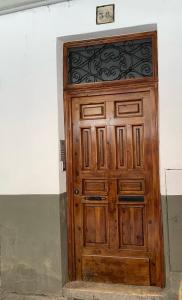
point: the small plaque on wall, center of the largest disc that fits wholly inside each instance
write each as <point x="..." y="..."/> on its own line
<point x="105" y="14"/>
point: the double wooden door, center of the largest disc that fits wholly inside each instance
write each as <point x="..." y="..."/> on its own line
<point x="116" y="210"/>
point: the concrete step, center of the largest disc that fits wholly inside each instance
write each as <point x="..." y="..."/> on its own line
<point x="102" y="291"/>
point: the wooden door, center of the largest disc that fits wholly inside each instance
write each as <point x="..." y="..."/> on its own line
<point x="115" y="208"/>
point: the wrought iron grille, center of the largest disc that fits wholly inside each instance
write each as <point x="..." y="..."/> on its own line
<point x="105" y="62"/>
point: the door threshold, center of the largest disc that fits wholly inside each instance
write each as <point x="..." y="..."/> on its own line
<point x="83" y="290"/>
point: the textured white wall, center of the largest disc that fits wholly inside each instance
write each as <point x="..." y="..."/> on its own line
<point x="174" y="182"/>
<point x="9" y="6"/>
<point x="29" y="157"/>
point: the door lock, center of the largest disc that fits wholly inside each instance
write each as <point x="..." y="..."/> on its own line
<point x="76" y="191"/>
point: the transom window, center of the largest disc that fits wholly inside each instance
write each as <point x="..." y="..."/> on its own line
<point x="129" y="59"/>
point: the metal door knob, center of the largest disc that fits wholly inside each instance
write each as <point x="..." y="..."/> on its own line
<point x="76" y="191"/>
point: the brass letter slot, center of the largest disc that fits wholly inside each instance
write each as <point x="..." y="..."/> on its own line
<point x="95" y="198"/>
<point x="131" y="198"/>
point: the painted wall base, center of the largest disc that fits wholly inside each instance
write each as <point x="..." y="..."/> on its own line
<point x="172" y="228"/>
<point x="12" y="296"/>
<point x="32" y="239"/>
<point x="33" y="246"/>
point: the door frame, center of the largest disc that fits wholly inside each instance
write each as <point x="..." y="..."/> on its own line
<point x="71" y="90"/>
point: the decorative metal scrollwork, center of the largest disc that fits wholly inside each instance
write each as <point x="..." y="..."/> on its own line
<point x="107" y="62"/>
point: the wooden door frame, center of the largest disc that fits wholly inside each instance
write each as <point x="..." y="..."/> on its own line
<point x="71" y="90"/>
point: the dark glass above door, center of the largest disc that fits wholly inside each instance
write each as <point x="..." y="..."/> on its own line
<point x="130" y="59"/>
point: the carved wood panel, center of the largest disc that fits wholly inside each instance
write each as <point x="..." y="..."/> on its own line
<point x="86" y="148"/>
<point x="131" y="186"/>
<point x="138" y="146"/>
<point x="131" y="225"/>
<point x="94" y="186"/>
<point x="121" y="141"/>
<point x="122" y="269"/>
<point x="129" y="109"/>
<point x="95" y="224"/>
<point x="113" y="174"/>
<point x="92" y="111"/>
<point x="101" y="148"/>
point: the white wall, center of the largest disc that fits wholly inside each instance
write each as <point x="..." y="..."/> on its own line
<point x="29" y="158"/>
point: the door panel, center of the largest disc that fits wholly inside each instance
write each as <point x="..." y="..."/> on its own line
<point x="138" y="146"/>
<point x="95" y="222"/>
<point x="92" y="111"/>
<point x="131" y="186"/>
<point x="131" y="225"/>
<point x="101" y="148"/>
<point x="86" y="148"/>
<point x="125" y="270"/>
<point x="94" y="186"/>
<point x="129" y="109"/>
<point x="121" y="142"/>
<point x="115" y="223"/>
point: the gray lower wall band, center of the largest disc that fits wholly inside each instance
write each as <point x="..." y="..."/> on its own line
<point x="33" y="243"/>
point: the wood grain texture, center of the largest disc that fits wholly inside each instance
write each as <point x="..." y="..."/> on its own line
<point x="131" y="225"/>
<point x="112" y="147"/>
<point x="116" y="269"/>
<point x="131" y="186"/>
<point x="95" y="224"/>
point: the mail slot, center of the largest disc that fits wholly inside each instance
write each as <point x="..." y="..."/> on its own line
<point x="131" y="198"/>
